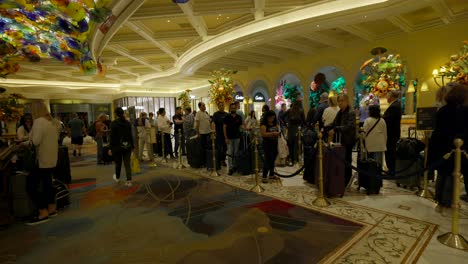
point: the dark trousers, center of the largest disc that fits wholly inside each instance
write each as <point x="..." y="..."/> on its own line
<point x="390" y="156"/>
<point x="293" y="144"/>
<point x="271" y="151"/>
<point x="168" y="144"/>
<point x="119" y="156"/>
<point x="158" y="149"/>
<point x="205" y="144"/>
<point x="349" y="159"/>
<point x="41" y="189"/>
<point x="221" y="147"/>
<point x="182" y="147"/>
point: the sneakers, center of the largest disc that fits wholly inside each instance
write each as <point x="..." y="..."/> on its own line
<point x="115" y="178"/>
<point x="129" y="184"/>
<point x="36" y="221"/>
<point x="53" y="214"/>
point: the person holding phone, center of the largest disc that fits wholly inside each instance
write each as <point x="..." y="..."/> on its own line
<point x="270" y="133"/>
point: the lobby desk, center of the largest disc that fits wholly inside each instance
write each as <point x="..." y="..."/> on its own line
<point x="6" y="171"/>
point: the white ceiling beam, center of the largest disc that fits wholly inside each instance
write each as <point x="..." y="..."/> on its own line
<point x="253" y="57"/>
<point x="237" y="61"/>
<point x="272" y="52"/>
<point x="147" y="34"/>
<point x="59" y="73"/>
<point x="292" y="45"/>
<point x="124" y="52"/>
<point x="441" y="7"/>
<point x="157" y="12"/>
<point x="360" y="32"/>
<point x="324" y="39"/>
<point x="120" y="69"/>
<point x="400" y="22"/>
<point x="259" y="9"/>
<point x="197" y="21"/>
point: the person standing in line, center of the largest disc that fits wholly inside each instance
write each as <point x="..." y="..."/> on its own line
<point x="375" y="139"/>
<point x="101" y="131"/>
<point x="282" y="117"/>
<point x="451" y="122"/>
<point x="164" y="125"/>
<point x="323" y="104"/>
<point x="330" y="113"/>
<point x="250" y="123"/>
<point x="24" y="130"/>
<point x="77" y="130"/>
<point x="203" y="128"/>
<point x="178" y="125"/>
<point x="392" y="117"/>
<point x="121" y="145"/>
<point x="232" y="125"/>
<point x="45" y="136"/>
<point x="296" y="119"/>
<point x="345" y="125"/>
<point x="239" y="111"/>
<point x="153" y="124"/>
<point x="188" y="125"/>
<point x="142" y="125"/>
<point x="270" y="133"/>
<point x="218" y="126"/>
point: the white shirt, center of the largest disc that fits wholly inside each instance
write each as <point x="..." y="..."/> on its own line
<point x="376" y="140"/>
<point x="329" y="115"/>
<point x="204" y="122"/>
<point x="163" y="124"/>
<point x="45" y="135"/>
<point x="22" y="134"/>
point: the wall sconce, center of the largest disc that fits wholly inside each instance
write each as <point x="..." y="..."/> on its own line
<point x="442" y="74"/>
<point x="250" y="101"/>
<point x="424" y="87"/>
<point x="245" y="101"/>
<point x="411" y="88"/>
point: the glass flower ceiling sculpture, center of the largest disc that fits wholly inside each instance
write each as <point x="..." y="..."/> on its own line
<point x="31" y="30"/>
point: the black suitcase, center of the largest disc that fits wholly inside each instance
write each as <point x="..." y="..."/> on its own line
<point x="22" y="206"/>
<point x="209" y="159"/>
<point x="62" y="171"/>
<point x="245" y="160"/>
<point x="309" y="163"/>
<point x="334" y="171"/>
<point x="195" y="153"/>
<point x="370" y="167"/>
<point x="106" y="158"/>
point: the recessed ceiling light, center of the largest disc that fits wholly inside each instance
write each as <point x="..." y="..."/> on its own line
<point x="168" y="21"/>
<point x="318" y="25"/>
<point x="227" y="17"/>
<point x="219" y="15"/>
<point x="217" y="18"/>
<point x="365" y="16"/>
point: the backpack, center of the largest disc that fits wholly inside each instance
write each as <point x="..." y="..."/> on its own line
<point x="92" y="130"/>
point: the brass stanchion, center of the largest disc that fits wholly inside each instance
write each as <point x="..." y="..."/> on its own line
<point x="320" y="201"/>
<point x="164" y="160"/>
<point x="454" y="239"/>
<point x="214" y="170"/>
<point x="180" y="165"/>
<point x="301" y="151"/>
<point x="425" y="193"/>
<point x="257" y="188"/>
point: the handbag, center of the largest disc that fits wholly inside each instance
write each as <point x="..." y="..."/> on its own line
<point x="135" y="165"/>
<point x="30" y="158"/>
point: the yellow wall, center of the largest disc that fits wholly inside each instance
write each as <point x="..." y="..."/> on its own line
<point x="422" y="51"/>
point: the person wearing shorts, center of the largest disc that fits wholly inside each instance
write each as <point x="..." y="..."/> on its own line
<point x="77" y="129"/>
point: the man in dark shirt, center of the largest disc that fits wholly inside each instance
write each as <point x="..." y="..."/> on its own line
<point x="218" y="123"/>
<point x="392" y="117"/>
<point x="282" y="118"/>
<point x="179" y="126"/>
<point x="232" y="125"/>
<point x="323" y="104"/>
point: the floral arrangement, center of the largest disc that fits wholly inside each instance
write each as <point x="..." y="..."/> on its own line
<point x="184" y="97"/>
<point x="457" y="67"/>
<point x="369" y="99"/>
<point x="59" y="29"/>
<point x="338" y="86"/>
<point x="317" y="87"/>
<point x="383" y="73"/>
<point x="292" y="92"/>
<point x="279" y="97"/>
<point x="10" y="107"/>
<point x="222" y="86"/>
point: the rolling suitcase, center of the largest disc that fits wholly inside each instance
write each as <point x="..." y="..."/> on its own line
<point x="334" y="174"/>
<point x="22" y="206"/>
<point x="370" y="167"/>
<point x="309" y="139"/>
<point x="62" y="194"/>
<point x="245" y="159"/>
<point x="195" y="153"/>
<point x="409" y="165"/>
<point x="62" y="171"/>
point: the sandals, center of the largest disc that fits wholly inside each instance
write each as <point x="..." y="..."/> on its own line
<point x="36" y="220"/>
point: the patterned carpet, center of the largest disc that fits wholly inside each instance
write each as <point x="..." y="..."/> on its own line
<point x="178" y="219"/>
